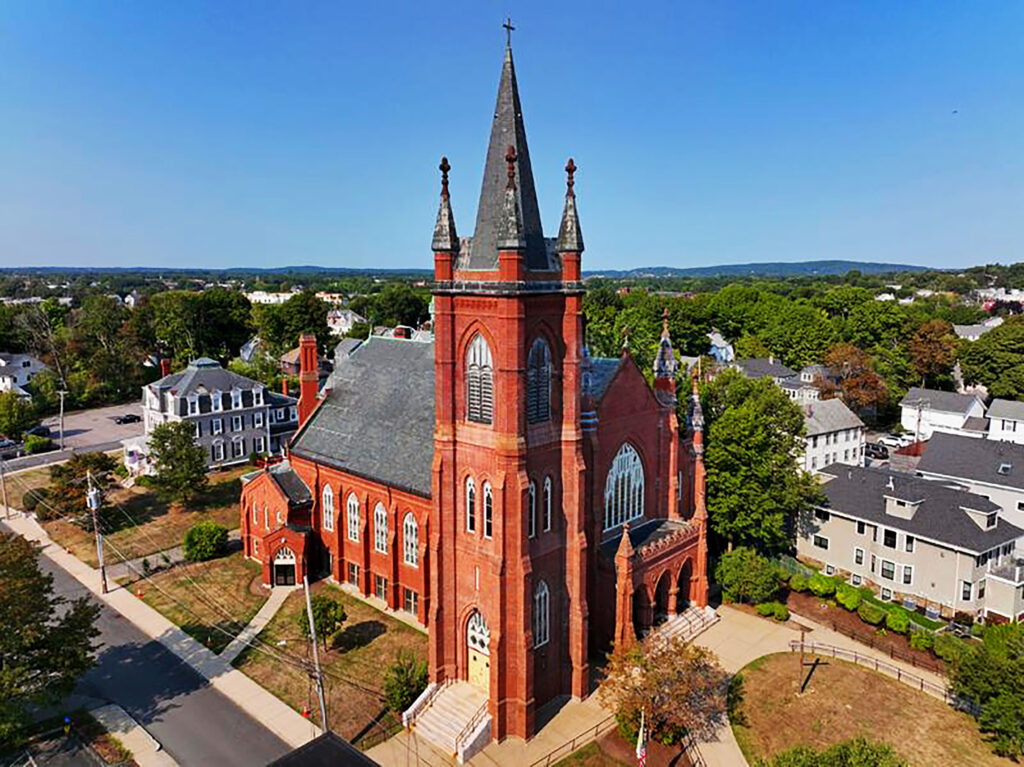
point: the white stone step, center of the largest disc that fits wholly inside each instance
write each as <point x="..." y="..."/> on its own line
<point x="449" y="712"/>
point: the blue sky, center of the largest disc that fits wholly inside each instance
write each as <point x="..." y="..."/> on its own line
<point x="273" y="133"/>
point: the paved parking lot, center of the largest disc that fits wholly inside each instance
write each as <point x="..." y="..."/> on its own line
<point x="92" y="428"/>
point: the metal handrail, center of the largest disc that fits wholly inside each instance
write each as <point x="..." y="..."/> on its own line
<point x="470" y="726"/>
<point x="582" y="739"/>
<point x="430" y="699"/>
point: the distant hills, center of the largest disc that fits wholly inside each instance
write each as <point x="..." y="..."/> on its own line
<point x="766" y="269"/>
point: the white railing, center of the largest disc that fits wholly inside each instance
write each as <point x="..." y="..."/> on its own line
<point x="422" y="703"/>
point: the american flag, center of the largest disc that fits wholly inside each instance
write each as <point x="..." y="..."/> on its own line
<point x="641" y="743"/>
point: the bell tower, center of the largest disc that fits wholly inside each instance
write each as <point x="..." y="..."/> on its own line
<point x="507" y="529"/>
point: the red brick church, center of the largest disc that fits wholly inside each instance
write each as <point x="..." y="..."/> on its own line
<point x="526" y="502"/>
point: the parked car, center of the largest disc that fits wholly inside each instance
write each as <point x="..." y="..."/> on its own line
<point x="39" y="431"/>
<point x="896" y="440"/>
<point x="9" y="449"/>
<point x="874" y="450"/>
<point x="127" y="418"/>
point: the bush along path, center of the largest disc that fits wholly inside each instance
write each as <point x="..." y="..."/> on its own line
<point x="161" y="560"/>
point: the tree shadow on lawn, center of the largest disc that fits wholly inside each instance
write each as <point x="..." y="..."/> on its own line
<point x="357" y="635"/>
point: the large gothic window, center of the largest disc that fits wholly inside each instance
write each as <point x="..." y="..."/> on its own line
<point x="624" y="488"/>
<point x="327" y="508"/>
<point x="470" y="505"/>
<point x="353" y="517"/>
<point x="411" y="540"/>
<point x="380" y="529"/>
<point x="479" y="381"/>
<point x="538" y="387"/>
<point x="541" y="615"/>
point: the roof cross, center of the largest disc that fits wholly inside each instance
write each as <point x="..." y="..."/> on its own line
<point x="509" y="29"/>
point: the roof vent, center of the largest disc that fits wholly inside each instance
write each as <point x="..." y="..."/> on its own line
<point x="1004" y="468"/>
<point x="890" y="484"/>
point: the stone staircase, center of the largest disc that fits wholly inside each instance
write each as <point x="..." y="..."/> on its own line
<point x="687" y="624"/>
<point x="451" y="718"/>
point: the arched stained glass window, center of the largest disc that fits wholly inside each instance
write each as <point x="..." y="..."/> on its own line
<point x="624" y="488"/>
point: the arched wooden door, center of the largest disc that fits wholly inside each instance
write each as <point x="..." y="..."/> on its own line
<point x="478" y="644"/>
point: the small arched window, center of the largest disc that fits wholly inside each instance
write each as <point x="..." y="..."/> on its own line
<point x="546" y="512"/>
<point x="538" y="382"/>
<point x="255" y="513"/>
<point x="479" y="381"/>
<point x="541" y="615"/>
<point x="470" y="505"/>
<point x="488" y="511"/>
<point x="411" y="540"/>
<point x="380" y="529"/>
<point x="327" y="508"/>
<point x="624" y="488"/>
<point x="353" y="517"/>
<point x="531" y="511"/>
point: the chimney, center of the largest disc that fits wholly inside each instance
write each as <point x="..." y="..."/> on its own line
<point x="284" y="386"/>
<point x="165" y="367"/>
<point x="308" y="377"/>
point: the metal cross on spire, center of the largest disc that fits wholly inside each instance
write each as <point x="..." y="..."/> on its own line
<point x="509" y="29"/>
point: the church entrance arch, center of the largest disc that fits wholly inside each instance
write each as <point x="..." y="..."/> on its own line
<point x="661" y="597"/>
<point x="685" y="574"/>
<point x="284" y="567"/>
<point x="478" y="643"/>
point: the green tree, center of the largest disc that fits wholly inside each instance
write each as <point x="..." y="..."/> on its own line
<point x="405" y="679"/>
<point x="328" y="615"/>
<point x="16" y="415"/>
<point x="69" y="483"/>
<point x="875" y="323"/>
<point x="205" y="540"/>
<point x="179" y="462"/>
<point x="798" y="334"/>
<point x="1003" y="718"/>
<point x="996" y="360"/>
<point x="756" y="489"/>
<point x="280" y="325"/>
<point x="46" y="641"/>
<point x="746" y="576"/>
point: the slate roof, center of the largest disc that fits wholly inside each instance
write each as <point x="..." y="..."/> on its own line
<point x="954" y="455"/>
<point x="941" y="401"/>
<point x="971" y="331"/>
<point x="829" y="415"/>
<point x="976" y="423"/>
<point x="507" y="129"/>
<point x="1006" y="408"/>
<point x="603" y="371"/>
<point x="643" y="534"/>
<point x="760" y="367"/>
<point x="204" y="373"/>
<point x="860" y="492"/>
<point x="291" y="484"/>
<point x="378" y="421"/>
<point x="327" y="750"/>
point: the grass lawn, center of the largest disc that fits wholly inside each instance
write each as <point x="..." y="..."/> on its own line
<point x="145" y="524"/>
<point x="845" y="701"/>
<point x="354" y="663"/>
<point x="20" y="483"/>
<point x="223" y="598"/>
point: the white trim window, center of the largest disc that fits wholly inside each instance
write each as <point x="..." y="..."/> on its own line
<point x="858" y="556"/>
<point x="236" y="399"/>
<point x="908" y="575"/>
<point x="236" y="423"/>
<point x="967" y="591"/>
<point x="255" y="514"/>
<point x="266" y="516"/>
<point x="541" y="615"/>
<point x="259" y="444"/>
<point x="293" y="414"/>
<point x="380" y="529"/>
<point x="238" y="447"/>
<point x="820" y="541"/>
<point x="256" y="547"/>
<point x="199" y="429"/>
<point x="531" y="512"/>
<point x="470" y="505"/>
<point x="411" y="540"/>
<point x="327" y="508"/>
<point x="888" y="570"/>
<point x="546" y="507"/>
<point x="217" y="426"/>
<point x="488" y="511"/>
<point x="216" y="402"/>
<point x="193" y="404"/>
<point x="257" y="396"/>
<point x="624" y="488"/>
<point x="479" y="381"/>
<point x="908" y="541"/>
<point x="218" y="451"/>
<point x="353" y="517"/>
<point x="257" y="420"/>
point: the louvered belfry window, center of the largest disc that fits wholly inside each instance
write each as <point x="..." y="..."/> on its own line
<point x="538" y="388"/>
<point x="479" y="381"/>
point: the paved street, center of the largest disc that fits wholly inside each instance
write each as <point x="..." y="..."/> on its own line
<point x="195" y="723"/>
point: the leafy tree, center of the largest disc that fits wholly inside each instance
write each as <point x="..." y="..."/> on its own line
<point x="991" y="674"/>
<point x="746" y="576"/>
<point x="933" y="350"/>
<point x="996" y="360"/>
<point x="68" y="483"/>
<point x="280" y="325"/>
<point x="841" y="300"/>
<point x="857" y="752"/>
<point x="755" y="486"/>
<point x="46" y="641"/>
<point x="798" y="333"/>
<point x="16" y="415"/>
<point x="328" y="615"/>
<point x="859" y="385"/>
<point x="875" y="323"/>
<point x="205" y="540"/>
<point x="679" y="686"/>
<point x="397" y="304"/>
<point x="1003" y="718"/>
<point x="405" y="679"/>
<point x="179" y="462"/>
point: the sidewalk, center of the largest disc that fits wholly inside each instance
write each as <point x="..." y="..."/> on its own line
<point x="133" y="736"/>
<point x="133" y="567"/>
<point x="261" y="705"/>
<point x="257" y="624"/>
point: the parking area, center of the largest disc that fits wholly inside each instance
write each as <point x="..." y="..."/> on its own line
<point x="96" y="428"/>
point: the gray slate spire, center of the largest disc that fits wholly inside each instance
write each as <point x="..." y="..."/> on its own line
<point x="570" y="236"/>
<point x="445" y="238"/>
<point x="506" y="130"/>
<point x="510" y="227"/>
<point x="665" y="363"/>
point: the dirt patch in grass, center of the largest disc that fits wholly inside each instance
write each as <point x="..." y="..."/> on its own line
<point x="845" y="701"/>
<point x="355" y="662"/>
<point x="211" y="601"/>
<point x="139" y="523"/>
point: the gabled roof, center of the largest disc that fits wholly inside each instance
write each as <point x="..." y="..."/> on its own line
<point x="378" y="420"/>
<point x="327" y="750"/>
<point x="829" y="415"/>
<point x="760" y="367"/>
<point x="859" y="492"/>
<point x="941" y="401"/>
<point x="970" y="458"/>
<point x="604" y="369"/>
<point x="291" y="484"/>
<point x="1006" y="408"/>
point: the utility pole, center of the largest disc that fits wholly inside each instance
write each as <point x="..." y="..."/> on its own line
<point x="3" y="486"/>
<point x="316" y="656"/>
<point x="62" y="392"/>
<point x="92" y="501"/>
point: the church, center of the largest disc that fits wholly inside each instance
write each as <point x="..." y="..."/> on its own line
<point x="527" y="503"/>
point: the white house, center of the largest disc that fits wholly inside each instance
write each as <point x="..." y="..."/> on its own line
<point x="340" y="321"/>
<point x="925" y="411"/>
<point x="974" y="332"/>
<point x="834" y="435"/>
<point x="1006" y="421"/>
<point x="16" y="370"/>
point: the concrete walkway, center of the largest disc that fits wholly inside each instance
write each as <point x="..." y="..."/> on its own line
<point x="134" y="568"/>
<point x="258" y="623"/>
<point x="133" y="736"/>
<point x="260" y="704"/>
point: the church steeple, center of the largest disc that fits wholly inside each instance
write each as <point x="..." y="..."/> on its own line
<point x="570" y="236"/>
<point x="665" y="363"/>
<point x="445" y="237"/>
<point x="507" y="130"/>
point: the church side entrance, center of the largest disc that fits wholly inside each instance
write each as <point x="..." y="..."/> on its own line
<point x="478" y="641"/>
<point x="284" y="567"/>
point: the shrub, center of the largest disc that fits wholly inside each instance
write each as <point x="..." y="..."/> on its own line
<point x="781" y="612"/>
<point x="36" y="444"/>
<point x="848" y="597"/>
<point x="405" y="679"/>
<point x="31" y="500"/>
<point x="856" y="752"/>
<point x="821" y="585"/>
<point x="948" y="647"/>
<point x="746" y="576"/>
<point x="798" y="583"/>
<point x="205" y="540"/>
<point x="898" y="620"/>
<point x="871" y="614"/>
<point x="922" y="640"/>
<point x="328" y="615"/>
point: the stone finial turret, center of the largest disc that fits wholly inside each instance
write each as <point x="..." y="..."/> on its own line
<point x="445" y="237"/>
<point x="510" y="227"/>
<point x="665" y="363"/>
<point x="570" y="236"/>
